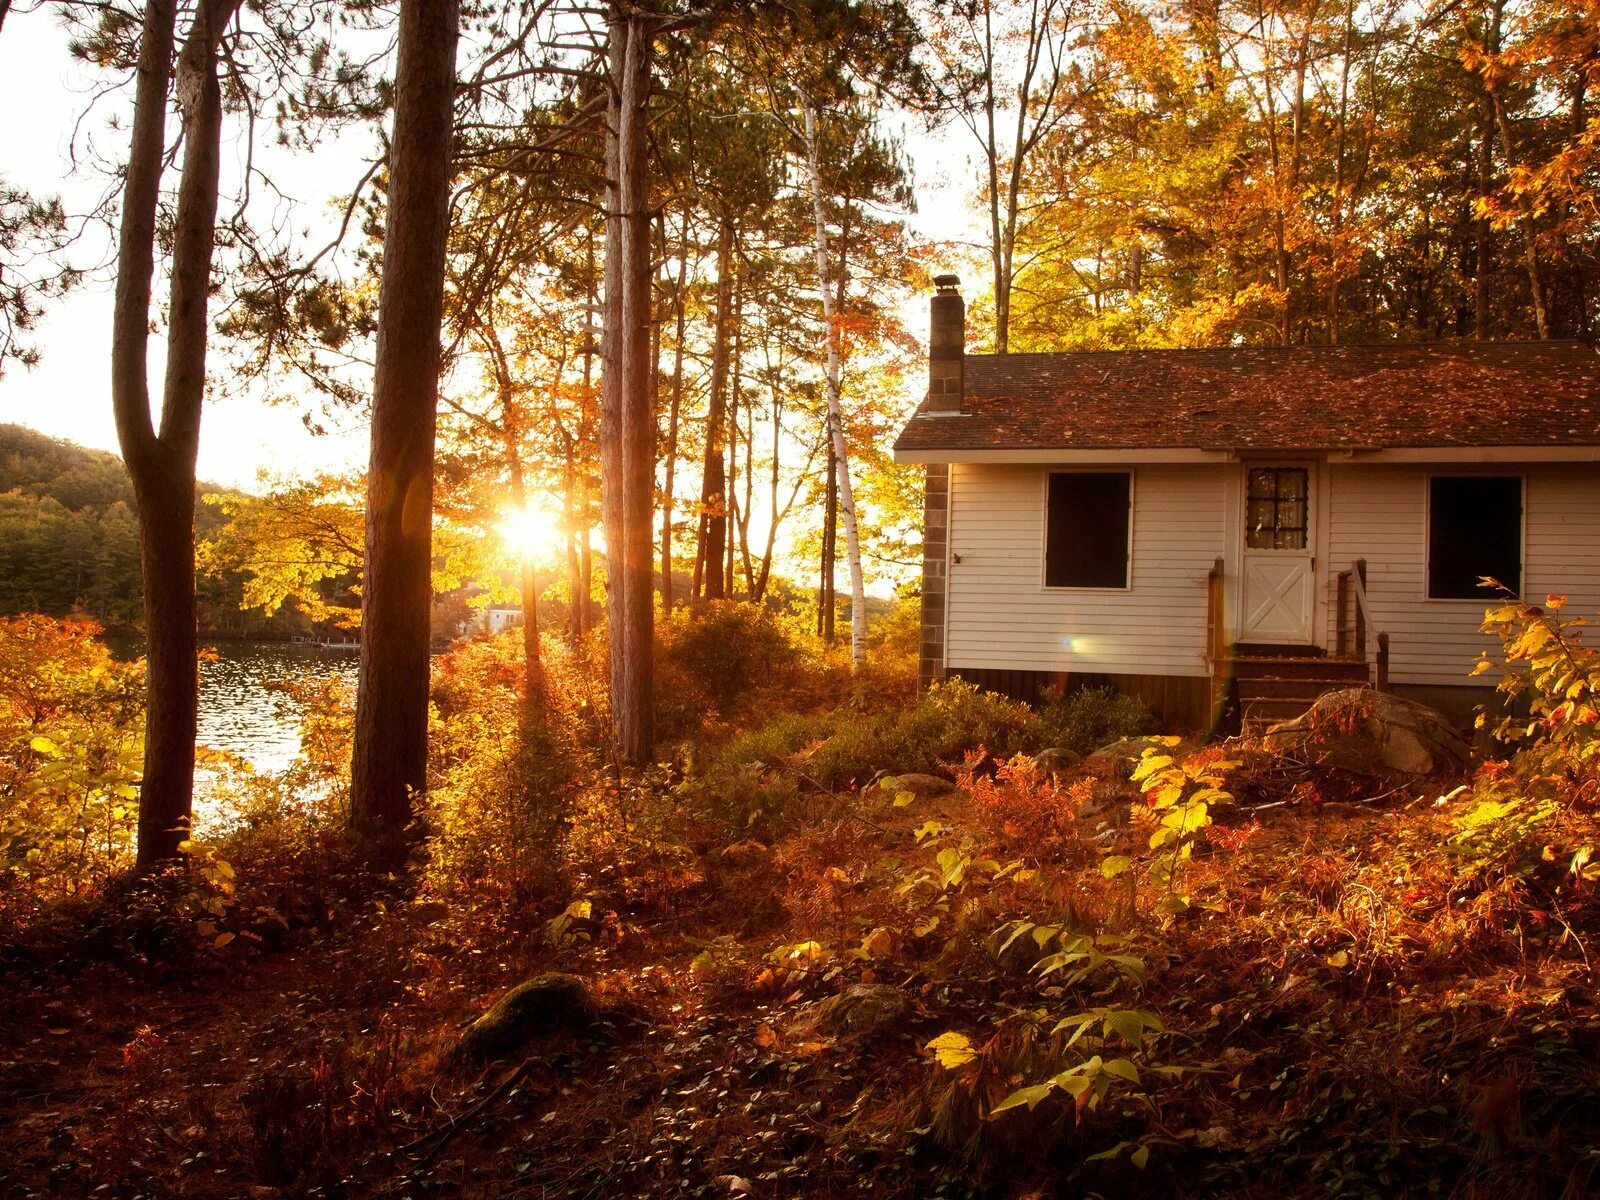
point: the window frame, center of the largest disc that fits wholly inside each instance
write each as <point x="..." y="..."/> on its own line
<point x="1484" y="597"/>
<point x="1044" y="530"/>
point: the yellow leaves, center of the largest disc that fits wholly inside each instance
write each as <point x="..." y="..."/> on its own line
<point x="40" y="744"/>
<point x="877" y="943"/>
<point x="952" y="1050"/>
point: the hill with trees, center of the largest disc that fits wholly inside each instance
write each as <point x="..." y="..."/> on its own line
<point x="69" y="543"/>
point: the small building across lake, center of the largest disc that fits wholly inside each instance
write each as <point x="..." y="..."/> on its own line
<point x="1168" y="521"/>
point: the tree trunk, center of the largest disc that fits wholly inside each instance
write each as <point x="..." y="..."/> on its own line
<point x="847" y="507"/>
<point x="533" y="693"/>
<point x="627" y="432"/>
<point x="667" y="498"/>
<point x="732" y="483"/>
<point x="576" y="607"/>
<point x="389" y="764"/>
<point x="1485" y="231"/>
<point x="714" y="472"/>
<point x="162" y="464"/>
<point x="830" y="542"/>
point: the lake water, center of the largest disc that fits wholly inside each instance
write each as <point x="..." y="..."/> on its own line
<point x="242" y="713"/>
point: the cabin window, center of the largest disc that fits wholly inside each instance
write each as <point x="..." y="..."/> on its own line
<point x="1278" y="504"/>
<point x="1086" y="529"/>
<point x="1474" y="529"/>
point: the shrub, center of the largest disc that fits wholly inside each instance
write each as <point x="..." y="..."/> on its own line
<point x="1088" y="718"/>
<point x="724" y="649"/>
<point x="70" y="751"/>
<point x="939" y="727"/>
<point x="498" y="798"/>
<point x="1548" y="667"/>
<point x="773" y="742"/>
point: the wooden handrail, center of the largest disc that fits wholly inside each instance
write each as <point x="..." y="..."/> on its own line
<point x="1216" y="627"/>
<point x="1354" y="581"/>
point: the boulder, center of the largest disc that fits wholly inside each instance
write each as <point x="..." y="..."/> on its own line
<point x="919" y="785"/>
<point x="1131" y="749"/>
<point x="866" y="1009"/>
<point x="542" y="1006"/>
<point x="1374" y="733"/>
<point x="1057" y="760"/>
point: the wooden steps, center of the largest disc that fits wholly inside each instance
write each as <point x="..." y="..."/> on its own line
<point x="1279" y="687"/>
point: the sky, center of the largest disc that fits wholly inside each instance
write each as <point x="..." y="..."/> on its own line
<point x="242" y="437"/>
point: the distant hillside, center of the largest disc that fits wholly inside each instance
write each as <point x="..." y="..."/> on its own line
<point x="69" y="542"/>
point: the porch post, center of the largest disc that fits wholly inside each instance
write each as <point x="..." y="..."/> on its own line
<point x="935" y="556"/>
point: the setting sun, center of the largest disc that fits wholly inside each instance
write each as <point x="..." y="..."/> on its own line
<point x="530" y="532"/>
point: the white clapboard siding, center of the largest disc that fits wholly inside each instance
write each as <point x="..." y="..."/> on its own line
<point x="1002" y="616"/>
<point x="1380" y="514"/>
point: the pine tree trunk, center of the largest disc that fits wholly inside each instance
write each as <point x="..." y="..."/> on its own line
<point x="161" y="463"/>
<point x="575" y="609"/>
<point x="627" y="432"/>
<point x="841" y="451"/>
<point x="389" y="764"/>
<point x="671" y="456"/>
<point x="714" y="472"/>
<point x="533" y="692"/>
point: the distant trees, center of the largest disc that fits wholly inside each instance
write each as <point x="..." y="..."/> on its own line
<point x="1214" y="173"/>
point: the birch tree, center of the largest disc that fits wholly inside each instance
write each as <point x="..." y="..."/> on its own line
<point x="835" y="414"/>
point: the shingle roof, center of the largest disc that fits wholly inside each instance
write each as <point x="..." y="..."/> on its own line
<point x="1266" y="398"/>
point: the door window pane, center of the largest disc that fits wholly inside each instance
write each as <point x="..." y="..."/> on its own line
<point x="1278" y="513"/>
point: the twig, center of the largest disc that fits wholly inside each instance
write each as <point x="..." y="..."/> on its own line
<point x="441" y="1137"/>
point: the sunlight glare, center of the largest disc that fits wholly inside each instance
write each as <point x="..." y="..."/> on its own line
<point x="531" y="532"/>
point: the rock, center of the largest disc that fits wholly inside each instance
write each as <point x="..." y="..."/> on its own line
<point x="541" y="1006"/>
<point x="919" y="785"/>
<point x="1374" y="733"/>
<point x="1131" y="749"/>
<point x="1057" y="760"/>
<point x="863" y="1008"/>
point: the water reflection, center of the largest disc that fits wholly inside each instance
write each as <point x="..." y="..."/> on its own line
<point x="241" y="712"/>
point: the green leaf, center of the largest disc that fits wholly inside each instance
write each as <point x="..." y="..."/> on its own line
<point x="1127" y="1025"/>
<point x="1029" y="1096"/>
<point x="1114" y="1152"/>
<point x="1140" y="1157"/>
<point x="1122" y="1069"/>
<point x="1115" y="865"/>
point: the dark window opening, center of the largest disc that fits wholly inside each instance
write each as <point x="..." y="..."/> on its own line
<point x="1276" y="518"/>
<point x="1474" y="530"/>
<point x="1086" y="530"/>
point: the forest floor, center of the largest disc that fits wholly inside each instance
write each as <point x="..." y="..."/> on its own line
<point x="1345" y="1008"/>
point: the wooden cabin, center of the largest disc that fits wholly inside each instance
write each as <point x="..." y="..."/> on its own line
<point x="1258" y="522"/>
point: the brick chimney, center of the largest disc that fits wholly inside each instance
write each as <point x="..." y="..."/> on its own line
<point x="947" y="346"/>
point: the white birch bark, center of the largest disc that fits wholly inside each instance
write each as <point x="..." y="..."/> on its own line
<point x="847" y="504"/>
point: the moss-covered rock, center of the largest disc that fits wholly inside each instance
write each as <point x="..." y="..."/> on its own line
<point x="865" y="1009"/>
<point x="542" y="1006"/>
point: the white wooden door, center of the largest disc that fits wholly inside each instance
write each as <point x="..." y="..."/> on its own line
<point x="1278" y="583"/>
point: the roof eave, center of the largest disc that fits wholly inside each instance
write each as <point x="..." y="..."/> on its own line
<point x="933" y="456"/>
